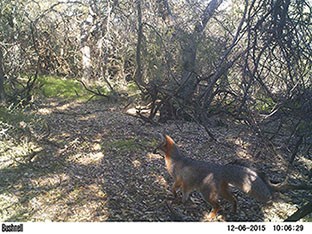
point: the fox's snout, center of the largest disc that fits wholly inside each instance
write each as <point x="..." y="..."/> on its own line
<point x="162" y="143"/>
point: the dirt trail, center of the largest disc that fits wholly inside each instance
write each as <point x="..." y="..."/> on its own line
<point x="96" y="165"/>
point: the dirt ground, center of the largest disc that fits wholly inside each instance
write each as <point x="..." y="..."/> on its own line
<point x="96" y="164"/>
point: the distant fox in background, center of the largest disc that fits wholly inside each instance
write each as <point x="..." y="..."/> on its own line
<point x="212" y="180"/>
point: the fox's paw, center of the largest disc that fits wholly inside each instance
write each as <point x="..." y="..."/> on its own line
<point x="211" y="217"/>
<point x="174" y="199"/>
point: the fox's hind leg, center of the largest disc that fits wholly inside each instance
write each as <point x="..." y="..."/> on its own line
<point x="212" y="198"/>
<point x="228" y="195"/>
<point x="215" y="208"/>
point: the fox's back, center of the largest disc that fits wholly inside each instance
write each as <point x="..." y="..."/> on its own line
<point x="195" y="173"/>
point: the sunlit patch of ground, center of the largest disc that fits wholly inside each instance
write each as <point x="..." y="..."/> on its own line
<point x="96" y="164"/>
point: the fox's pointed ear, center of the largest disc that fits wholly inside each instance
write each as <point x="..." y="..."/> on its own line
<point x="169" y="141"/>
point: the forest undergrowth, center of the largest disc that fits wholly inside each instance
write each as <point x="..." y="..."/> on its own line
<point x="91" y="161"/>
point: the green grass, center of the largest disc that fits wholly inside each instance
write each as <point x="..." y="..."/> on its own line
<point x="57" y="87"/>
<point x="131" y="145"/>
<point x="14" y="116"/>
<point x="50" y="86"/>
<point x="264" y="105"/>
<point x="124" y="145"/>
<point x="132" y="87"/>
<point x="15" y="134"/>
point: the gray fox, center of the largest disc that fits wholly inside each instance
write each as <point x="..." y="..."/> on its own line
<point x="212" y="180"/>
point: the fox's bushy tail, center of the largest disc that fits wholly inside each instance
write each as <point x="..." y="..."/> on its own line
<point x="256" y="184"/>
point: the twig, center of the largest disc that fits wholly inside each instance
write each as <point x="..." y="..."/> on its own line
<point x="98" y="93"/>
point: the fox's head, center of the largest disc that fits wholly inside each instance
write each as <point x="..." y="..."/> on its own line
<point x="166" y="144"/>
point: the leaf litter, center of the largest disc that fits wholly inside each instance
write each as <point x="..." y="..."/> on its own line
<point x="97" y="164"/>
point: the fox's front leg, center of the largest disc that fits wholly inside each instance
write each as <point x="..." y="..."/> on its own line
<point x="178" y="183"/>
<point x="185" y="194"/>
<point x="175" y="187"/>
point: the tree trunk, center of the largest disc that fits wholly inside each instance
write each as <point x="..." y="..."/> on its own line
<point x="189" y="49"/>
<point x="189" y="81"/>
<point x="138" y="73"/>
<point x="86" y="62"/>
<point x="85" y="48"/>
<point x="2" y="92"/>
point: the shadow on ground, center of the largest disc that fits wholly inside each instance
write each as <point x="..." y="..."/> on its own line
<point x="96" y="165"/>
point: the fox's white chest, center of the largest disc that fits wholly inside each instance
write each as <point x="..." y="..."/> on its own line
<point x="169" y="165"/>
